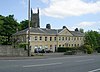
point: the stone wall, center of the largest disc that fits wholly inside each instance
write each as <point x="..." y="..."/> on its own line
<point x="7" y="50"/>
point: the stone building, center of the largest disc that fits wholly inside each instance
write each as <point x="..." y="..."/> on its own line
<point x="48" y="38"/>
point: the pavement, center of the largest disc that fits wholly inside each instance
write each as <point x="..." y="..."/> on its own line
<point x="42" y="56"/>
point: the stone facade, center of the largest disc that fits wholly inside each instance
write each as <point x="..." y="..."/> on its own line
<point x="35" y="19"/>
<point x="6" y="50"/>
<point x="50" y="38"/>
<point x="47" y="38"/>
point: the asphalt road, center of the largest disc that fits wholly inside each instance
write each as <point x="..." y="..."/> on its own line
<point x="89" y="63"/>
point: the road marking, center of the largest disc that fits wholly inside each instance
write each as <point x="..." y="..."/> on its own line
<point x="85" y="60"/>
<point x="94" y="70"/>
<point x="42" y="65"/>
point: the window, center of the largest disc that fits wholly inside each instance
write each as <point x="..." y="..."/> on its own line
<point x="75" y="38"/>
<point x="72" y="45"/>
<point x="75" y="45"/>
<point x="50" y="46"/>
<point x="40" y="46"/>
<point x="69" y="38"/>
<point x="40" y="38"/>
<point x="59" y="45"/>
<point x="55" y="38"/>
<point x="45" y="38"/>
<point x="69" y="45"/>
<point x="50" y="38"/>
<point x="35" y="38"/>
<point x="72" y="38"/>
<point x="78" y="45"/>
<point x="62" y="38"/>
<point x="80" y="38"/>
<point x="46" y="47"/>
<point x="66" y="38"/>
<point x="59" y="38"/>
<point x="36" y="46"/>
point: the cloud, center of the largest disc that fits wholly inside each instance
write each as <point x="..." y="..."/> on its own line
<point x="86" y="24"/>
<point x="65" y="8"/>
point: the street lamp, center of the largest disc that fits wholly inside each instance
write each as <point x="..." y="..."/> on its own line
<point x="29" y="28"/>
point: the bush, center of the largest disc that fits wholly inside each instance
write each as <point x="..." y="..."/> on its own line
<point x="89" y="51"/>
<point x="73" y="52"/>
<point x="61" y="49"/>
<point x="98" y="49"/>
<point x="86" y="49"/>
<point x="64" y="49"/>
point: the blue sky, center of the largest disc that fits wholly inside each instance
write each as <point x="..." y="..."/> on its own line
<point x="71" y="13"/>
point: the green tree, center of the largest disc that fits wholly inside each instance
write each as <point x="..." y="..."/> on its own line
<point x="8" y="26"/>
<point x="92" y="38"/>
<point x="81" y="30"/>
<point x="24" y="24"/>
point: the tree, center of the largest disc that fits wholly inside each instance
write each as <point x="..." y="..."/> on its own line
<point x="92" y="38"/>
<point x="81" y="30"/>
<point x="8" y="26"/>
<point x="24" y="24"/>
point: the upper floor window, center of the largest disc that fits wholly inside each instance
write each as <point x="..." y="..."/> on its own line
<point x="62" y="38"/>
<point x="59" y="38"/>
<point x="45" y="38"/>
<point x="74" y="38"/>
<point x="55" y="38"/>
<point x="50" y="38"/>
<point x="69" y="38"/>
<point x="77" y="38"/>
<point x="66" y="38"/>
<point x="80" y="38"/>
<point x="40" y="38"/>
<point x="35" y="37"/>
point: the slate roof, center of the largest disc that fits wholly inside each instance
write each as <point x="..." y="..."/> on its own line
<point x="77" y="33"/>
<point x="47" y="31"/>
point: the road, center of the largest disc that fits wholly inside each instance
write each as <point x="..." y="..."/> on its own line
<point x="86" y="63"/>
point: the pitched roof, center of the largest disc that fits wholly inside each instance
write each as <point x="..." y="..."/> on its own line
<point x="47" y="31"/>
<point x="77" y="33"/>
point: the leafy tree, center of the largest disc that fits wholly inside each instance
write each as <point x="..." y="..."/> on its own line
<point x="8" y="26"/>
<point x="92" y="38"/>
<point x="81" y="30"/>
<point x="24" y="24"/>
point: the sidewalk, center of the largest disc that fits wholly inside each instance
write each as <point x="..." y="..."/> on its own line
<point x="36" y="56"/>
<point x="45" y="55"/>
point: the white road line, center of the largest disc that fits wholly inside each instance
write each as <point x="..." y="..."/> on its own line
<point x="42" y="65"/>
<point x="85" y="60"/>
<point x="94" y="70"/>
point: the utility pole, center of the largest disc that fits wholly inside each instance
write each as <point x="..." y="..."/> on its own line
<point x="29" y="28"/>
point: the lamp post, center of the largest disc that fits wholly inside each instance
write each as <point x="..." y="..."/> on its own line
<point x="29" y="28"/>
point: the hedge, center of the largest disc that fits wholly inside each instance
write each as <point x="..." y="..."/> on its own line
<point x="98" y="49"/>
<point x="64" y="49"/>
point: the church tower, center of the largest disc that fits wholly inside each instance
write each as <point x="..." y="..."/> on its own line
<point x="35" y="19"/>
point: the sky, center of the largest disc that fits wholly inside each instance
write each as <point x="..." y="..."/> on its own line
<point x="73" y="14"/>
